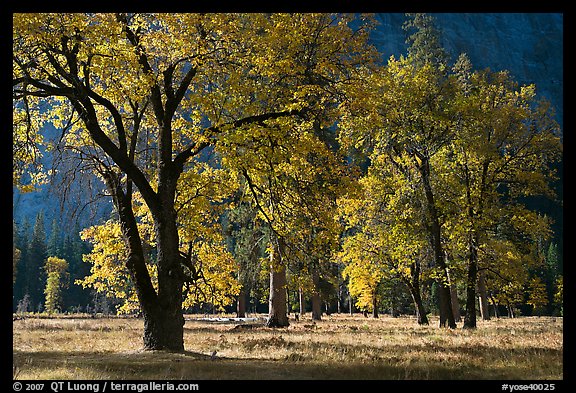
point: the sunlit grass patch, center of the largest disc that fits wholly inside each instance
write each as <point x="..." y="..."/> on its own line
<point x="338" y="347"/>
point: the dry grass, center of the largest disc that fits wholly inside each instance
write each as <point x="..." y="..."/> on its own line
<point x="338" y="347"/>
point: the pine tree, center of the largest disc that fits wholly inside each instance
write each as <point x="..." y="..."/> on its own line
<point x="21" y="238"/>
<point x="552" y="275"/>
<point x="425" y="46"/>
<point x="54" y="241"/>
<point x="37" y="253"/>
<point x="16" y="253"/>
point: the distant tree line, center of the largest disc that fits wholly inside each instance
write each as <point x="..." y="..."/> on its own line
<point x="50" y="259"/>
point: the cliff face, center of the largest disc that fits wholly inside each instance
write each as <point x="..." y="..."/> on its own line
<point x="529" y="45"/>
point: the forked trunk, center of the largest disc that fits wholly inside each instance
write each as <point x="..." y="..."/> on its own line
<point x="421" y="317"/>
<point x="162" y="311"/>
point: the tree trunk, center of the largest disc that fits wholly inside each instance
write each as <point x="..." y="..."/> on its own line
<point x="162" y="311"/>
<point x="470" y="314"/>
<point x="277" y="311"/>
<point x="483" y="295"/>
<point x="350" y="305"/>
<point x="338" y="302"/>
<point x="316" y="303"/>
<point x="165" y="327"/>
<point x="510" y="311"/>
<point x="495" y="305"/>
<point x="241" y="304"/>
<point x="301" y="301"/>
<point x="454" y="298"/>
<point x="374" y="306"/>
<point x="434" y="229"/>
<point x="414" y="288"/>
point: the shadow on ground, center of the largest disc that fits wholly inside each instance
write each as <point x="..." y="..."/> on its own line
<point x="157" y="365"/>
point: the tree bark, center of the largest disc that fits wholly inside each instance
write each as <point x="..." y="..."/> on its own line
<point x="374" y="305"/>
<point x="277" y="310"/>
<point x="162" y="311"/>
<point x="316" y="302"/>
<point x="470" y="314"/>
<point x="415" y="293"/>
<point x="454" y="298"/>
<point x="350" y="305"/>
<point x="495" y="305"/>
<point x="165" y="329"/>
<point x="241" y="304"/>
<point x="301" y="301"/>
<point x="419" y="306"/>
<point x="483" y="295"/>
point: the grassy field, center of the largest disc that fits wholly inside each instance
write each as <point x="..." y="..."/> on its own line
<point x="338" y="347"/>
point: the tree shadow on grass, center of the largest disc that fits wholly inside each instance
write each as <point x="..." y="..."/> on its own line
<point x="188" y="365"/>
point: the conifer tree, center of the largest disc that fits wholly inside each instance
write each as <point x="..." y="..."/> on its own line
<point x="21" y="239"/>
<point x="37" y="254"/>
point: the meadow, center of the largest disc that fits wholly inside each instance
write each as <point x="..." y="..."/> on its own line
<point x="338" y="347"/>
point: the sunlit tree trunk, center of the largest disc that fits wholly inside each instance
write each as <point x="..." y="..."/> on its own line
<point x="483" y="296"/>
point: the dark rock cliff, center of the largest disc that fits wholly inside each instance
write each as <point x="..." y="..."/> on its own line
<point x="529" y="45"/>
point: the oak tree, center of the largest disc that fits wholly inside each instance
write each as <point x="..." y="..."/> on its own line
<point x="139" y="97"/>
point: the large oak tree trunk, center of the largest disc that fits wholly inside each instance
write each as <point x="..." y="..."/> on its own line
<point x="162" y="310"/>
<point x="164" y="328"/>
<point x="277" y="310"/>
